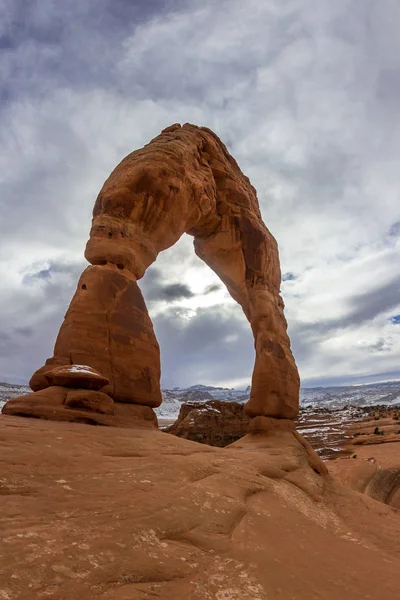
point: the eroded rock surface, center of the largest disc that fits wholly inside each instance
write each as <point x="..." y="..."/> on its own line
<point x="372" y="470"/>
<point x="183" y="181"/>
<point x="116" y="514"/>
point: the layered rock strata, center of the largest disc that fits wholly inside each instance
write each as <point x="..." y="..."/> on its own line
<point x="183" y="181"/>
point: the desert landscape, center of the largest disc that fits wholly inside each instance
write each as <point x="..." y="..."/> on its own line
<point x="132" y="513"/>
<point x="245" y="496"/>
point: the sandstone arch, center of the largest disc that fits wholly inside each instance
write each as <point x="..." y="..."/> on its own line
<point x="183" y="181"/>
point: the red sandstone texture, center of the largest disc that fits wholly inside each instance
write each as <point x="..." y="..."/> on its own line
<point x="372" y="470"/>
<point x="184" y="180"/>
<point x="94" y="513"/>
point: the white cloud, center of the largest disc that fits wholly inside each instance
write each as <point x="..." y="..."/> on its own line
<point x="304" y="95"/>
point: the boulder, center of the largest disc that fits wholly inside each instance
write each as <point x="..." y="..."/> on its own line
<point x="38" y="380"/>
<point x="36" y="404"/>
<point x="76" y="376"/>
<point x="213" y="422"/>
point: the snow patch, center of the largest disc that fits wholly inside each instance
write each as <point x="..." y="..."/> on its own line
<point x="82" y="369"/>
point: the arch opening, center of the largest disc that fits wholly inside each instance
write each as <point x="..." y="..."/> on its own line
<point x="203" y="334"/>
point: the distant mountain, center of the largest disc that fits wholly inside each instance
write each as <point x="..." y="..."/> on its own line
<point x="200" y="386"/>
<point x="9" y="390"/>
<point x="387" y="393"/>
<point x="172" y="399"/>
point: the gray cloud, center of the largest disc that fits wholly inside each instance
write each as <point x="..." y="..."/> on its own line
<point x="362" y="308"/>
<point x="25" y="331"/>
<point x="394" y="230"/>
<point x="31" y="315"/>
<point x="39" y="273"/>
<point x="288" y="277"/>
<point x="47" y="45"/>
<point x="155" y="289"/>
<point x="213" y="287"/>
<point x="174" y="291"/>
<point x="376" y="302"/>
<point x="307" y="102"/>
<point x="216" y="345"/>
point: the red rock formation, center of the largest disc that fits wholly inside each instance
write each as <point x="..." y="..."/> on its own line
<point x="76" y="376"/>
<point x="213" y="422"/>
<point x="182" y="181"/>
<point x="58" y="403"/>
<point x="107" y="326"/>
<point x="38" y="380"/>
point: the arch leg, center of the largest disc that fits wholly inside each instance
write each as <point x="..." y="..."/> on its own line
<point x="107" y="327"/>
<point x="245" y="256"/>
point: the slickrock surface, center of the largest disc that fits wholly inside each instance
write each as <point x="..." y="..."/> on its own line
<point x="374" y="471"/>
<point x="374" y="447"/>
<point x="129" y="514"/>
<point x="183" y="181"/>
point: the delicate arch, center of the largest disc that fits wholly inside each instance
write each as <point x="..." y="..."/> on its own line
<point x="184" y="180"/>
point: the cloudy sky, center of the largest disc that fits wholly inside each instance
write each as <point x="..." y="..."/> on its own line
<point x="305" y="95"/>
